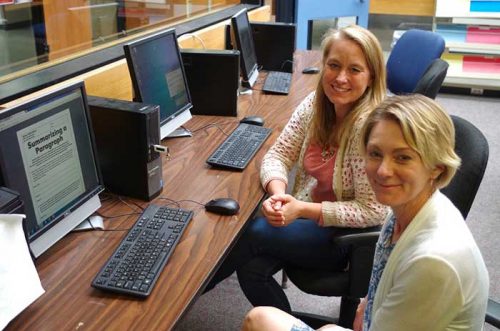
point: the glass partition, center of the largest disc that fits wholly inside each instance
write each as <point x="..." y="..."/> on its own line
<point x="40" y="33"/>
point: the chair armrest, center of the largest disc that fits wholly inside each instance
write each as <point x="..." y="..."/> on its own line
<point x="493" y="313"/>
<point x="357" y="237"/>
<point x="361" y="243"/>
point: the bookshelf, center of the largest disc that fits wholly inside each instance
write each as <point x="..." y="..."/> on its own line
<point x="471" y="29"/>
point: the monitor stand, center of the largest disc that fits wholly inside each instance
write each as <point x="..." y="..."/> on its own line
<point x="244" y="90"/>
<point x="91" y="223"/>
<point x="180" y="132"/>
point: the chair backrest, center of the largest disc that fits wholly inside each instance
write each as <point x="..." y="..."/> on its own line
<point x="472" y="147"/>
<point x="410" y="57"/>
<point x="430" y="83"/>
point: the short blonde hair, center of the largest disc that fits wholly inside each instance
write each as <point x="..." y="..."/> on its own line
<point x="324" y="117"/>
<point x="426" y="127"/>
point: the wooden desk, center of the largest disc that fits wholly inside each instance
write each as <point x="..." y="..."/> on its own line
<point x="67" y="269"/>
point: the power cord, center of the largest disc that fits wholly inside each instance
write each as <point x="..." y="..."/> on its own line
<point x="197" y="38"/>
<point x="133" y="204"/>
<point x="216" y="125"/>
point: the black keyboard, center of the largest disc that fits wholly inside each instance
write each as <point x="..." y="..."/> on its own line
<point x="138" y="261"/>
<point x="277" y="82"/>
<point x="239" y="147"/>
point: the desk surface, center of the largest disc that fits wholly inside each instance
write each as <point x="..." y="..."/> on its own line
<point x="67" y="269"/>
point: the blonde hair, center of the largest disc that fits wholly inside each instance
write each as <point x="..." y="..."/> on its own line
<point x="427" y="129"/>
<point x="324" y="111"/>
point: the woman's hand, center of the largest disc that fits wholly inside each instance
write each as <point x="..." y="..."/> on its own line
<point x="281" y="209"/>
<point x="271" y="208"/>
<point x="357" y="325"/>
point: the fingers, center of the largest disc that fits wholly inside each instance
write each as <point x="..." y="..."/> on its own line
<point x="273" y="209"/>
<point x="278" y="223"/>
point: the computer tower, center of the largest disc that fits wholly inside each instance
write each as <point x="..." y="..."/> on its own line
<point x="285" y="11"/>
<point x="213" y="80"/>
<point x="274" y="45"/>
<point x="125" y="134"/>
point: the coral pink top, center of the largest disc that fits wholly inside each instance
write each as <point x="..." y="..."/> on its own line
<point x="320" y="168"/>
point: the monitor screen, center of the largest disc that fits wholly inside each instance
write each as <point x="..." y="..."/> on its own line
<point x="47" y="155"/>
<point x="158" y="78"/>
<point x="243" y="38"/>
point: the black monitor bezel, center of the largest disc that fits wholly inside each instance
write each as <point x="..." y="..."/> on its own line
<point x="245" y="54"/>
<point x="39" y="100"/>
<point x="132" y="70"/>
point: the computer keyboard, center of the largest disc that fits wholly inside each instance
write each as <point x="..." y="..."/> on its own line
<point x="137" y="262"/>
<point x="277" y="82"/>
<point x="239" y="147"/>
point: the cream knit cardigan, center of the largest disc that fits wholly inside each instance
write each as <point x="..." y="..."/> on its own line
<point x="356" y="205"/>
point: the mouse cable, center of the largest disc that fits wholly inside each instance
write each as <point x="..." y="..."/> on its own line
<point x="132" y="205"/>
<point x="112" y="196"/>
<point x="171" y="202"/>
<point x="285" y="63"/>
<point x="213" y="125"/>
<point x="177" y="203"/>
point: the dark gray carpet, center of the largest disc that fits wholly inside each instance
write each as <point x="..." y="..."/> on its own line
<point x="224" y="307"/>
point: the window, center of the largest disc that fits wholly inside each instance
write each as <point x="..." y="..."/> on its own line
<point x="72" y="36"/>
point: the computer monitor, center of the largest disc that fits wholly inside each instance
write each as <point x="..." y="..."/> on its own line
<point x="48" y="155"/>
<point x="243" y="38"/>
<point x="158" y="77"/>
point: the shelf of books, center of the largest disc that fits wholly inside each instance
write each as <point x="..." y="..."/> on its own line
<point x="471" y="29"/>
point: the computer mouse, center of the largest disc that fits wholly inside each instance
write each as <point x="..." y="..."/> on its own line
<point x="254" y="120"/>
<point x="223" y="206"/>
<point x="310" y="70"/>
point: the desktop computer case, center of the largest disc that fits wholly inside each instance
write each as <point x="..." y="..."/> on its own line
<point x="213" y="80"/>
<point x="281" y="36"/>
<point x="274" y="42"/>
<point x="125" y="133"/>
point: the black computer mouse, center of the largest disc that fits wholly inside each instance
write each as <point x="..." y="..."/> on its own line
<point x="310" y="70"/>
<point x="254" y="120"/>
<point x="223" y="206"/>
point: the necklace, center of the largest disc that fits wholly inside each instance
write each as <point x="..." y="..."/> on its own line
<point x="327" y="153"/>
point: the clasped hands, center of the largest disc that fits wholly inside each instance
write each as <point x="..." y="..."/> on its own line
<point x="281" y="209"/>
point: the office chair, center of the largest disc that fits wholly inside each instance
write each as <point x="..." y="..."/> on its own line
<point x="430" y="83"/>
<point x="352" y="284"/>
<point x="493" y="313"/>
<point x="409" y="59"/>
<point x="472" y="147"/>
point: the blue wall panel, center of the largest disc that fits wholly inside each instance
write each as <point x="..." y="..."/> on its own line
<point x="306" y="10"/>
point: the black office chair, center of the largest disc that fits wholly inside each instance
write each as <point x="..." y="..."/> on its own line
<point x="433" y="78"/>
<point x="352" y="284"/>
<point x="472" y="147"/>
<point x="409" y="59"/>
<point x="493" y="313"/>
